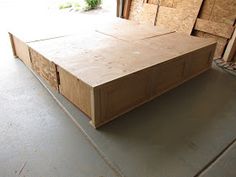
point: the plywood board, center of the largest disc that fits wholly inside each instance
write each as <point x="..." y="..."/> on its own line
<point x="20" y="50"/>
<point x="45" y="68"/>
<point x="230" y="51"/>
<point x="221" y="43"/>
<point x="148" y="14"/>
<point x="78" y="92"/>
<point x="182" y="18"/>
<point x="135" y="10"/>
<point x="219" y="11"/>
<point x="218" y="29"/>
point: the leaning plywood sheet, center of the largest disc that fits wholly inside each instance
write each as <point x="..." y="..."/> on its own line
<point x="182" y="18"/>
<point x="221" y="42"/>
<point x="135" y="10"/>
<point x="218" y="29"/>
<point x="219" y="11"/>
<point x="131" y="31"/>
<point x="148" y="14"/>
<point x="107" y="77"/>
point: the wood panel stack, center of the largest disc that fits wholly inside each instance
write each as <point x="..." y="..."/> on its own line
<point x="202" y="18"/>
<point x="217" y="20"/>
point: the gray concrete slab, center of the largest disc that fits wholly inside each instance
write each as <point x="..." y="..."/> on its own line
<point x="37" y="138"/>
<point x="224" y="166"/>
<point x="176" y="134"/>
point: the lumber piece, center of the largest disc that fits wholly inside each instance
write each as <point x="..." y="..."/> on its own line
<point x="126" y="11"/>
<point x="182" y="18"/>
<point x="215" y="28"/>
<point x="230" y="51"/>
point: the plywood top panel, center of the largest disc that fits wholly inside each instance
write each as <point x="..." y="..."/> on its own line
<point x="179" y="43"/>
<point x="97" y="59"/>
<point x="131" y="31"/>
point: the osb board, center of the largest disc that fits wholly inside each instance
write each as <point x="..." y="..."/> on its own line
<point x="221" y="11"/>
<point x="131" y="31"/>
<point x="181" y="18"/>
<point x="148" y="14"/>
<point x="221" y="42"/>
<point x="135" y="10"/>
<point x="45" y="68"/>
<point x="218" y="29"/>
<point x="156" y="2"/>
<point x="76" y="91"/>
<point x="20" y="50"/>
<point x="230" y="51"/>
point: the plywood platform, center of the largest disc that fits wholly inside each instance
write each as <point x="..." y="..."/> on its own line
<point x="107" y="72"/>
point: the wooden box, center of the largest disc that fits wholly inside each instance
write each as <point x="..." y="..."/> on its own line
<point x="106" y="74"/>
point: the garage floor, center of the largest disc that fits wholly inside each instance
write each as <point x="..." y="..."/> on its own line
<point x="187" y="132"/>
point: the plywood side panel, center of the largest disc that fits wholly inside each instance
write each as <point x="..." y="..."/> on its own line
<point x="199" y="60"/>
<point x="218" y="29"/>
<point x="76" y="91"/>
<point x="21" y="50"/>
<point x="45" y="68"/>
<point x="126" y="93"/>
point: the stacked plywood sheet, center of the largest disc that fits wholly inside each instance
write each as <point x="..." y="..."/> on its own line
<point x="202" y="18"/>
<point x="216" y="20"/>
<point x="114" y="68"/>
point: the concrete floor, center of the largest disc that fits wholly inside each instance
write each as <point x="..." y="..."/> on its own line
<point x="187" y="132"/>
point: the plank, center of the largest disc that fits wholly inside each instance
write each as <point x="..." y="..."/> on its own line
<point x="218" y="29"/>
<point x="230" y="51"/>
<point x="126" y="11"/>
